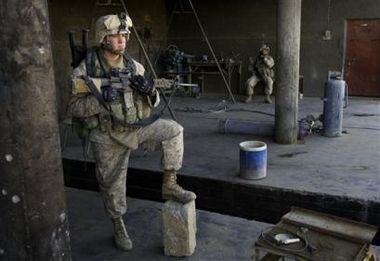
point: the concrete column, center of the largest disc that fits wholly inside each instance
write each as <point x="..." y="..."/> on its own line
<point x="33" y="217"/>
<point x="179" y="228"/>
<point x="287" y="70"/>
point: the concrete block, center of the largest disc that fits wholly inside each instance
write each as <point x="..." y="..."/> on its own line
<point x="179" y="228"/>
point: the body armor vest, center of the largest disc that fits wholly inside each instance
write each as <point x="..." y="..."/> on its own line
<point x="127" y="107"/>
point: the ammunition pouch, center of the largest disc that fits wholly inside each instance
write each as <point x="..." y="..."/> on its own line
<point x="131" y="115"/>
<point x="117" y="120"/>
<point x="110" y="94"/>
<point x="85" y="107"/>
<point x="91" y="122"/>
<point x="105" y="121"/>
<point x="82" y="126"/>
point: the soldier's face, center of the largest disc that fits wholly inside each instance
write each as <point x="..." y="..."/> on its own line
<point x="117" y="42"/>
<point x="265" y="51"/>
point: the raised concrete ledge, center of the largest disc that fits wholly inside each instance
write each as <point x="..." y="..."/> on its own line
<point x="260" y="203"/>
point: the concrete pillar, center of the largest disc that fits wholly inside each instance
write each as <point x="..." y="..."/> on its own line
<point x="287" y="70"/>
<point x="33" y="217"/>
<point x="179" y="228"/>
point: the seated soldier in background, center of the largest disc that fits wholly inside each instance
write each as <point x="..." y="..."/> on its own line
<point x="262" y="70"/>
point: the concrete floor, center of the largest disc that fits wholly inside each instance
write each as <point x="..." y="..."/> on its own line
<point x="218" y="238"/>
<point x="347" y="166"/>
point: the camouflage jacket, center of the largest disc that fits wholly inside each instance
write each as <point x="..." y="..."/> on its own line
<point x="263" y="66"/>
<point x="130" y="107"/>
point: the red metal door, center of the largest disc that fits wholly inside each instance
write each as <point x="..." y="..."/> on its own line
<point x="362" y="63"/>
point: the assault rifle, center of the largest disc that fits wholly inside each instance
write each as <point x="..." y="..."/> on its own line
<point x="79" y="52"/>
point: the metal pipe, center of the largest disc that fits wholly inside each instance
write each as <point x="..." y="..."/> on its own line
<point x="148" y="61"/>
<point x="166" y="32"/>
<point x="231" y="126"/>
<point x="212" y="52"/>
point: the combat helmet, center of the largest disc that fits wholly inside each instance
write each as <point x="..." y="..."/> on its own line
<point x="112" y="24"/>
<point x="264" y="46"/>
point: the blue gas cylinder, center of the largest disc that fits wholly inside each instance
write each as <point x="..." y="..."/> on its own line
<point x="335" y="99"/>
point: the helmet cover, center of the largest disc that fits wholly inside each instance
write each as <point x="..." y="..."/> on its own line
<point x="112" y="24"/>
<point x="264" y="46"/>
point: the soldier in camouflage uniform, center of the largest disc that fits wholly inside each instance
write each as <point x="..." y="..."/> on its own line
<point x="262" y="70"/>
<point x="117" y="125"/>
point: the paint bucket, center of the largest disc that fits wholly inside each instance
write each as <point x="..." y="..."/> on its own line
<point x="253" y="160"/>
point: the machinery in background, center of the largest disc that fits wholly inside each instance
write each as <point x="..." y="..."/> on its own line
<point x="176" y="68"/>
<point x="174" y="59"/>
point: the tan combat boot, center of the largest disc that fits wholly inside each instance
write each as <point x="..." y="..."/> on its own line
<point x="172" y="191"/>
<point x="249" y="99"/>
<point x="121" y="238"/>
<point x="267" y="99"/>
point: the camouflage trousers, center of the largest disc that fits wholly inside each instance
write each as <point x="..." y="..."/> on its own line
<point x="112" y="161"/>
<point x="251" y="83"/>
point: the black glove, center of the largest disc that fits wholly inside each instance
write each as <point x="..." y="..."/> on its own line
<point x="142" y="84"/>
<point x="109" y="94"/>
